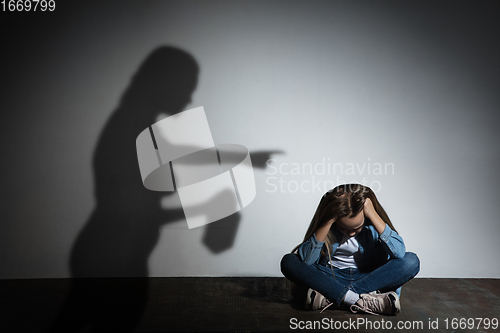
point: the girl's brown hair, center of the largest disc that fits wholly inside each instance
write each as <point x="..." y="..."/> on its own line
<point x="346" y="200"/>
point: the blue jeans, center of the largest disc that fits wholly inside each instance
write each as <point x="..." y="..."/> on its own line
<point x="390" y="276"/>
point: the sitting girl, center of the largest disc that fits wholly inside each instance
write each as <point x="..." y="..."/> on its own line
<point x="351" y="255"/>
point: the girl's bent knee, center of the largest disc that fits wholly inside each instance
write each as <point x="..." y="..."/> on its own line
<point x="412" y="263"/>
<point x="287" y="261"/>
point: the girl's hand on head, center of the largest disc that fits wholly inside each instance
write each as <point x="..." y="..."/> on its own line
<point x="323" y="230"/>
<point x="369" y="209"/>
<point x="330" y="222"/>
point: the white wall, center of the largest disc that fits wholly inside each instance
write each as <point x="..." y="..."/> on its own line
<point x="410" y="84"/>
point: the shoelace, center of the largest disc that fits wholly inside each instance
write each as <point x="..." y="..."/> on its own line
<point x="326" y="307"/>
<point x="324" y="303"/>
<point x="367" y="304"/>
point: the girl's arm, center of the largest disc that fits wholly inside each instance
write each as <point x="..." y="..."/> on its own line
<point x="394" y="242"/>
<point x="371" y="213"/>
<point x="322" y="231"/>
<point x="310" y="250"/>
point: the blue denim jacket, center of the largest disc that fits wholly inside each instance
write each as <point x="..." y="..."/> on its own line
<point x="374" y="249"/>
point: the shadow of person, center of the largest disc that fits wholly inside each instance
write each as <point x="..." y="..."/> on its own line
<point x="124" y="227"/>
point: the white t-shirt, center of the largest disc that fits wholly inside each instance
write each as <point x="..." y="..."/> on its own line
<point x="343" y="257"/>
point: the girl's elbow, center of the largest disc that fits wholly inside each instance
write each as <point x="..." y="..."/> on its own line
<point x="396" y="251"/>
<point x="308" y="261"/>
<point x="400" y="253"/>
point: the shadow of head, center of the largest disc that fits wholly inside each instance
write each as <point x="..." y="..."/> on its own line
<point x="164" y="81"/>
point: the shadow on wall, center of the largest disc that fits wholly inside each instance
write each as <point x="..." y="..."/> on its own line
<point x="124" y="227"/>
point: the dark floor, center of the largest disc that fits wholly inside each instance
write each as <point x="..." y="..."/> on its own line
<point x="231" y="305"/>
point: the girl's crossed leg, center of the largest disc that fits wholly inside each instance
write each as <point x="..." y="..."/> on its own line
<point x="388" y="277"/>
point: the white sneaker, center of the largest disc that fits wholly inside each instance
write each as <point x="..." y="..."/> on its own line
<point x="385" y="303"/>
<point x="316" y="301"/>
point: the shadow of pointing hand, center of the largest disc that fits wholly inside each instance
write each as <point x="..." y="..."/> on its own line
<point x="260" y="157"/>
